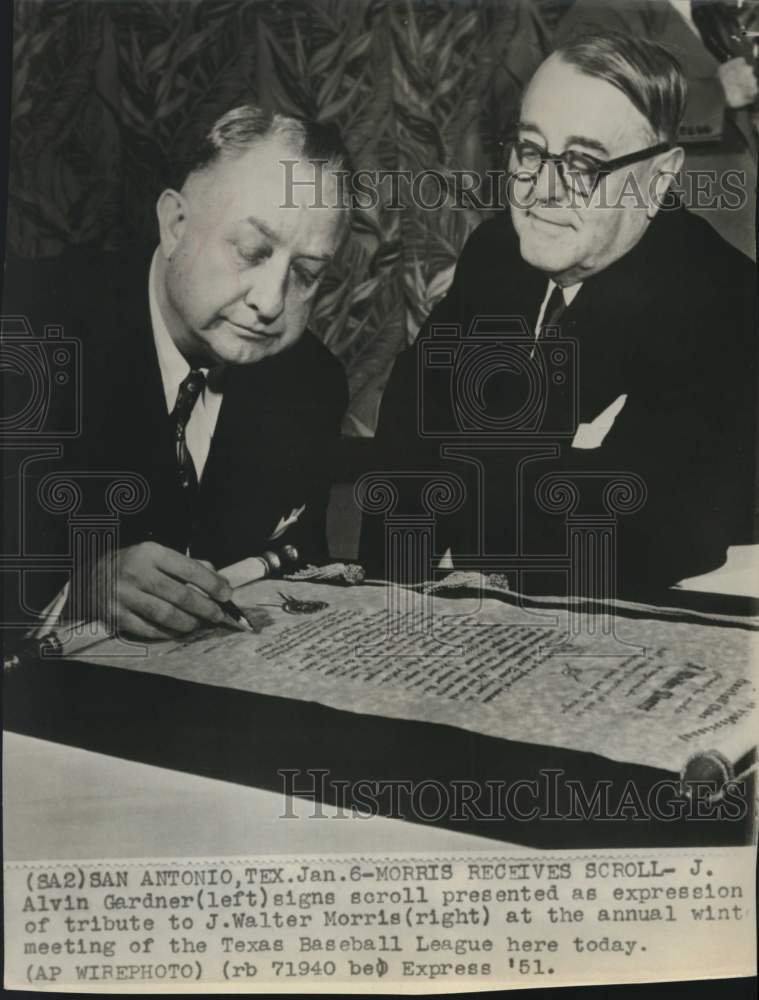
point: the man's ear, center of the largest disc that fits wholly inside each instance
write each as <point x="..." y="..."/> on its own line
<point x="667" y="167"/>
<point x="171" y="209"/>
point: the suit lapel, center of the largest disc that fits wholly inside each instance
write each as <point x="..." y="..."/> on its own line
<point x="250" y="463"/>
<point x="135" y="424"/>
<point x="519" y="287"/>
<point x="123" y="346"/>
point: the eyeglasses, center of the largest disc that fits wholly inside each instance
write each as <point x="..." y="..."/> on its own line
<point x="579" y="172"/>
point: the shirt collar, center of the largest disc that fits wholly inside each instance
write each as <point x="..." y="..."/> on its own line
<point x="568" y="292"/>
<point x="174" y="368"/>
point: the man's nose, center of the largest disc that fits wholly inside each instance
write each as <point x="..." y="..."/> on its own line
<point x="267" y="289"/>
<point x="549" y="184"/>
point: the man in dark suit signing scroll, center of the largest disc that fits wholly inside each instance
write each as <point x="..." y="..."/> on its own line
<point x="198" y="373"/>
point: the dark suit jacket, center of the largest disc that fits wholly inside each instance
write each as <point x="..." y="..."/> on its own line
<point x="673" y="326"/>
<point x="268" y="454"/>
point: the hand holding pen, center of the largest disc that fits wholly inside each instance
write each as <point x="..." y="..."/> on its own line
<point x="153" y="592"/>
<point x="149" y="591"/>
<point x="269" y="563"/>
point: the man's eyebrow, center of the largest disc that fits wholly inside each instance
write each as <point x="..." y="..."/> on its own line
<point x="271" y="235"/>
<point x="528" y="127"/>
<point x="266" y="230"/>
<point x="583" y="140"/>
<point x="572" y="140"/>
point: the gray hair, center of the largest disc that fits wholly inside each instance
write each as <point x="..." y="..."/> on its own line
<point x="646" y="73"/>
<point x="239" y="129"/>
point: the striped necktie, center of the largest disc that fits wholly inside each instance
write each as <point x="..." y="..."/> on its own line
<point x="189" y="390"/>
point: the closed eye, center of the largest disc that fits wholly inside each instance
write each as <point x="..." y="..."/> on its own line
<point x="250" y="256"/>
<point x="306" y="277"/>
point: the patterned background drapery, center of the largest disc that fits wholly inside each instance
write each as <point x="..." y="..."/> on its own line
<point x="104" y="89"/>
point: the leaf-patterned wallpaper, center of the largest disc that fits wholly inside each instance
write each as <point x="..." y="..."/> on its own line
<point x="104" y="90"/>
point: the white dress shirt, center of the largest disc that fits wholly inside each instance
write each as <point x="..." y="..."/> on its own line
<point x="568" y="294"/>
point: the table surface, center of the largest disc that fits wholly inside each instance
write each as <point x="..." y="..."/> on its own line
<point x="62" y="802"/>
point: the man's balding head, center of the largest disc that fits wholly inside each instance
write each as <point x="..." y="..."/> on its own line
<point x="247" y="234"/>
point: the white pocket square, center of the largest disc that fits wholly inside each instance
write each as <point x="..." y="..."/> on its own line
<point x="285" y="522"/>
<point x="592" y="435"/>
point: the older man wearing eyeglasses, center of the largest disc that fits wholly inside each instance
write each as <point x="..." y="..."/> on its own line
<point x="637" y="356"/>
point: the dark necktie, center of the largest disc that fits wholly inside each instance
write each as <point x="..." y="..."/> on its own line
<point x="189" y="390"/>
<point x="556" y="398"/>
<point x="554" y="308"/>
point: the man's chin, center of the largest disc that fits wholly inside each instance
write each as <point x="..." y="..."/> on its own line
<point x="546" y="254"/>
